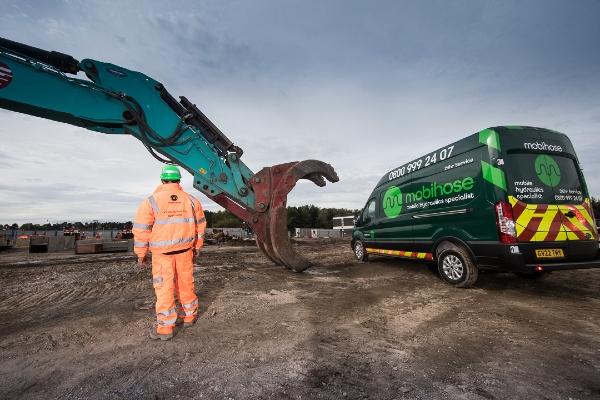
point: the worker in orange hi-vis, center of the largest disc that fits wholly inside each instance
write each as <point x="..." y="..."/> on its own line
<point x="170" y="224"/>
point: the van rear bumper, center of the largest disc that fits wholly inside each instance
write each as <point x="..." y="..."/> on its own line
<point x="519" y="257"/>
<point x="564" y="266"/>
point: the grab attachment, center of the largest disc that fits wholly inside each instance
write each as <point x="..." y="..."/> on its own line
<point x="271" y="186"/>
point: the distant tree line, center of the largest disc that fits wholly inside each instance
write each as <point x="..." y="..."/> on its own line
<point x="222" y="219"/>
<point x="315" y="217"/>
<point x="596" y="207"/>
<point x="298" y="217"/>
<point x="69" y="225"/>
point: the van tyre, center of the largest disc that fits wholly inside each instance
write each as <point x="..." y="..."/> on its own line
<point x="456" y="267"/>
<point x="359" y="251"/>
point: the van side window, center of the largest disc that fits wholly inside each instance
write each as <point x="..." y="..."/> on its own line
<point x="369" y="214"/>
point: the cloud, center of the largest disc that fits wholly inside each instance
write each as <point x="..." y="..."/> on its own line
<point x="364" y="87"/>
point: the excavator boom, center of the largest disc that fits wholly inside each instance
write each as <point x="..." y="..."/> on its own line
<point x="115" y="100"/>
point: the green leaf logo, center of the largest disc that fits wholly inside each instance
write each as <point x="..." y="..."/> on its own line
<point x="392" y="202"/>
<point x="547" y="170"/>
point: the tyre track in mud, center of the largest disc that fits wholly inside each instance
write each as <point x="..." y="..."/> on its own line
<point x="63" y="287"/>
<point x="62" y="258"/>
<point x="46" y="292"/>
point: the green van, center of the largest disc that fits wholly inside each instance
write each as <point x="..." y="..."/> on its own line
<point x="509" y="199"/>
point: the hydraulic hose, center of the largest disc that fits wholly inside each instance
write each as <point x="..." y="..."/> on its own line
<point x="145" y="130"/>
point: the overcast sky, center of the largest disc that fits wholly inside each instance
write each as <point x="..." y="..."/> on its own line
<point x="363" y="85"/>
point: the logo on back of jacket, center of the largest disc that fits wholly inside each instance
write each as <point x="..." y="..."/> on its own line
<point x="174" y="197"/>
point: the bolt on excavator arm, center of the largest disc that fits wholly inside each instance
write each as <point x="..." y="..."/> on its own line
<point x="116" y="100"/>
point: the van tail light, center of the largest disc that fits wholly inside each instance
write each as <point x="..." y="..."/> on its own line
<point x="507" y="230"/>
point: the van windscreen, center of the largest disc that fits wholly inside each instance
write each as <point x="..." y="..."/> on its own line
<point x="543" y="179"/>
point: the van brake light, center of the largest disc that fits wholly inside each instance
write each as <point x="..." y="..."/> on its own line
<point x="507" y="230"/>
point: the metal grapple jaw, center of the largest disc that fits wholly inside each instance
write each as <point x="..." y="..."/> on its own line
<point x="271" y="186"/>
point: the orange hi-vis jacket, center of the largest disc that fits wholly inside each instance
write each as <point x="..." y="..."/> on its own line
<point x="169" y="220"/>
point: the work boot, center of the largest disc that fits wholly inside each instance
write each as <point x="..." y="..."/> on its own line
<point x="162" y="336"/>
<point x="190" y="323"/>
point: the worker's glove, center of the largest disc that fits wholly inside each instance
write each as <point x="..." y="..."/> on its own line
<point x="143" y="261"/>
<point x="196" y="253"/>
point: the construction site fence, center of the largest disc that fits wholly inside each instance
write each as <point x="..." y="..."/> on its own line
<point x="238" y="232"/>
<point x="104" y="234"/>
<point x="321" y="233"/>
<point x="107" y="233"/>
<point x="54" y="244"/>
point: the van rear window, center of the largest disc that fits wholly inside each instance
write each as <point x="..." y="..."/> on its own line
<point x="543" y="179"/>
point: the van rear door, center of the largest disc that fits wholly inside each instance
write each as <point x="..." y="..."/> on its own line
<point x="547" y="195"/>
<point x="550" y="206"/>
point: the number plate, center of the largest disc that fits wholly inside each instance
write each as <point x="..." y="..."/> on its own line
<point x="549" y="253"/>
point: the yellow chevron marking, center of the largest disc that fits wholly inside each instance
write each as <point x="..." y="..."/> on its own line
<point x="544" y="227"/>
<point x="549" y="215"/>
<point x="562" y="235"/>
<point x="579" y="224"/>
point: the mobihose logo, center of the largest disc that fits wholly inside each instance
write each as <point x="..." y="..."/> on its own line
<point x="392" y="202"/>
<point x="542" y="146"/>
<point x="5" y="75"/>
<point x="547" y="170"/>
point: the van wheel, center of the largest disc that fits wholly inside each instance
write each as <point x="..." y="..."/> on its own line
<point x="456" y="268"/>
<point x="359" y="251"/>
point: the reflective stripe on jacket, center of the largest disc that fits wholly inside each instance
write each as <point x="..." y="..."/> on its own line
<point x="167" y="221"/>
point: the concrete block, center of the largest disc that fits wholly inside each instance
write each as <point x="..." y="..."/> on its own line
<point x="86" y="248"/>
<point x="22" y="242"/>
<point x="38" y="245"/>
<point x="115" y="245"/>
<point x="60" y="243"/>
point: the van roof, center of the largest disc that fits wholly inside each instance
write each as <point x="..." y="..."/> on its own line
<point x="499" y="129"/>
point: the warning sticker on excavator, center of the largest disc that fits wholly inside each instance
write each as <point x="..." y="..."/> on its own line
<point x="5" y="75"/>
<point x="116" y="72"/>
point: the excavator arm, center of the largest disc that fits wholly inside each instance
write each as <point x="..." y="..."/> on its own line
<point x="116" y="100"/>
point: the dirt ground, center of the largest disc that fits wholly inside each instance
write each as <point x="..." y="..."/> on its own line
<point x="76" y="326"/>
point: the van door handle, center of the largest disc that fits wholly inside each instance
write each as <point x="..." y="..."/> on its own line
<point x="570" y="214"/>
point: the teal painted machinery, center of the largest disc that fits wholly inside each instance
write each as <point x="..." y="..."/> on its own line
<point x="116" y="100"/>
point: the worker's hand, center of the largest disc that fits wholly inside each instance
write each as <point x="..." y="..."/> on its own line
<point x="143" y="262"/>
<point x="196" y="253"/>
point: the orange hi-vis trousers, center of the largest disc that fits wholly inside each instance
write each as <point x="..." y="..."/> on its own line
<point x="173" y="274"/>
